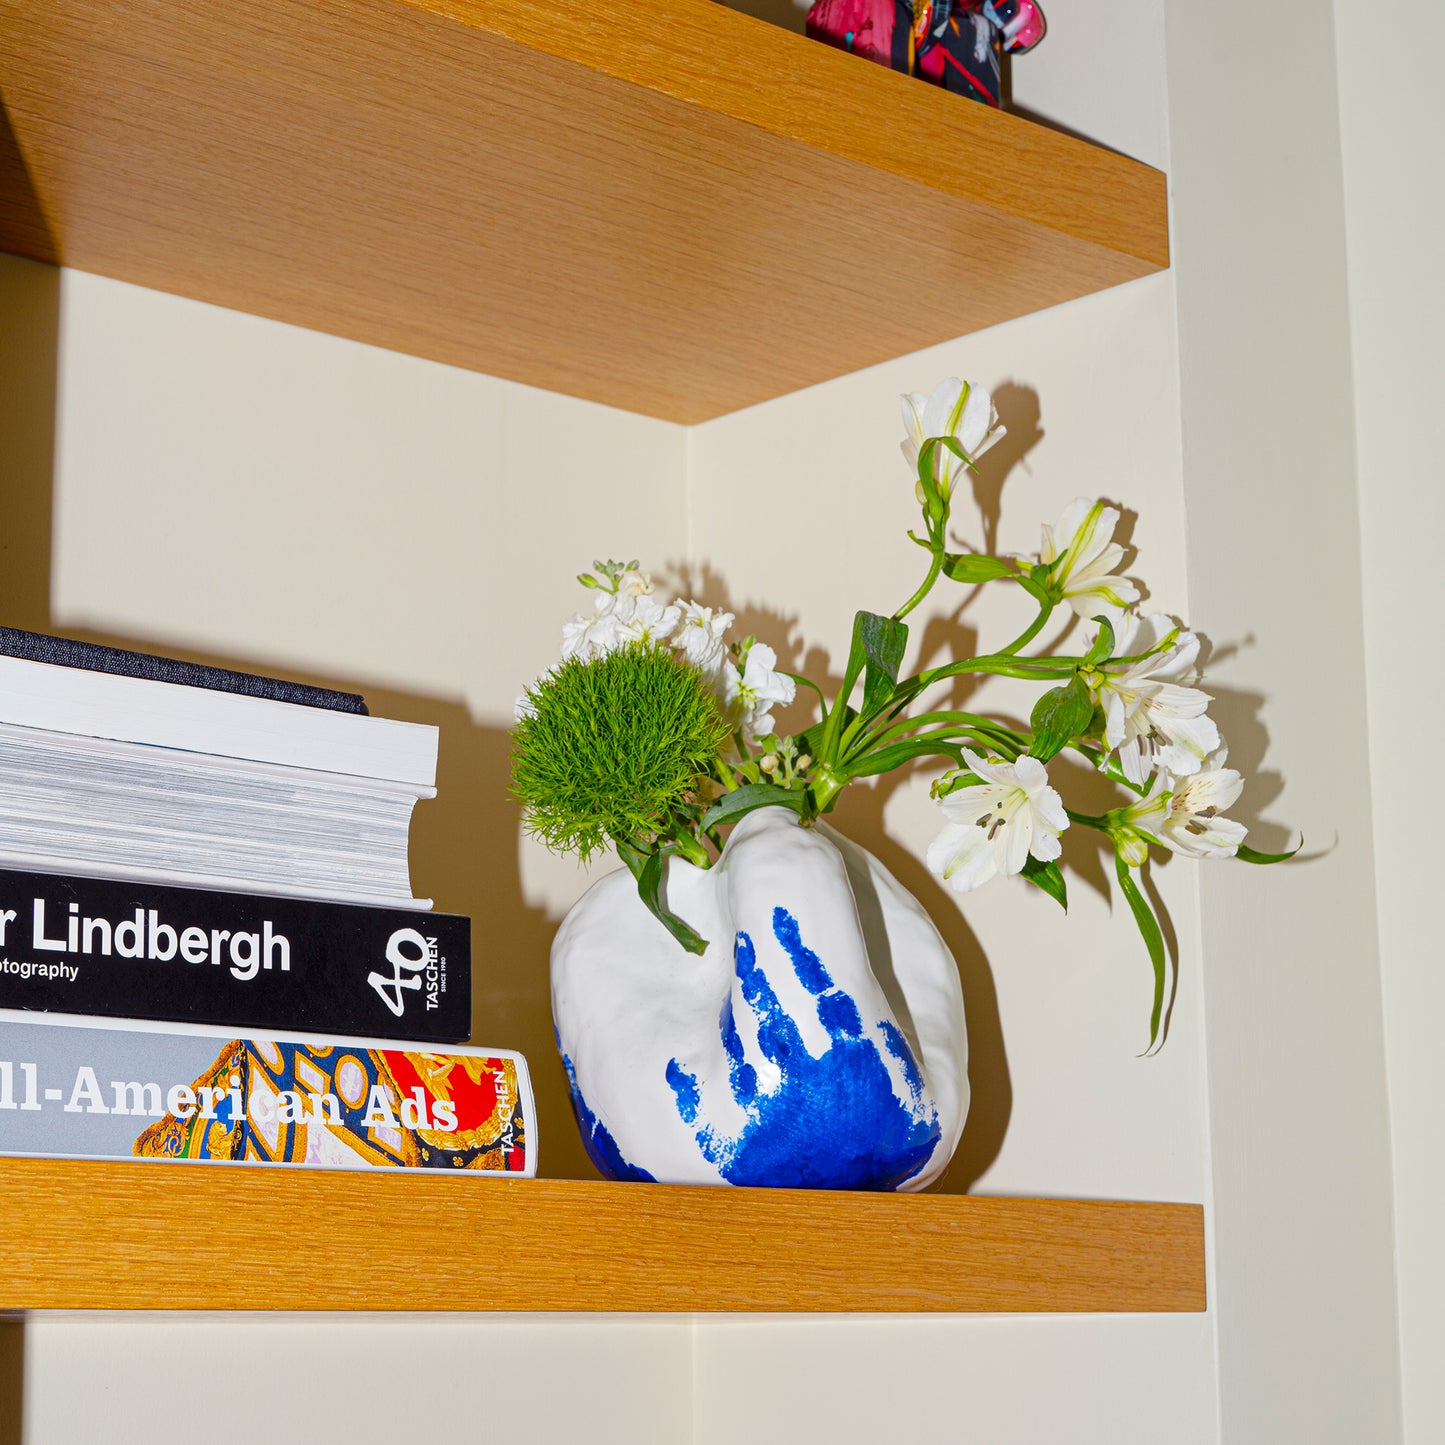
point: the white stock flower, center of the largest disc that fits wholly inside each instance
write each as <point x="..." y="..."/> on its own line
<point x="700" y="636"/>
<point x="631" y="585"/>
<point x="956" y="409"/>
<point x="1083" y="545"/>
<point x="592" y="635"/>
<point x="524" y="707"/>
<point x="1153" y="715"/>
<point x="640" y="618"/>
<point x="750" y="696"/>
<point x="1183" y="813"/>
<point x="994" y="827"/>
<point x="619" y="618"/>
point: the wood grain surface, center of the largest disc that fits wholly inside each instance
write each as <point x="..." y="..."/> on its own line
<point x="153" y="1235"/>
<point x="672" y="208"/>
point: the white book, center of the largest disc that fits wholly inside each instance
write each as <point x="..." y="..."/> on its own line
<point x="202" y="720"/>
<point x="115" y="809"/>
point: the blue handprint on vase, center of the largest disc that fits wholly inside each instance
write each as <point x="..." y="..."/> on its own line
<point x="832" y="1122"/>
<point x="597" y="1139"/>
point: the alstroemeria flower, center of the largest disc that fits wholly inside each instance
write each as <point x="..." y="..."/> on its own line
<point x="957" y="409"/>
<point x="1153" y="716"/>
<point x="751" y="695"/>
<point x="1083" y="546"/>
<point x="995" y="826"/>
<point x="1183" y="813"/>
<point x="700" y="636"/>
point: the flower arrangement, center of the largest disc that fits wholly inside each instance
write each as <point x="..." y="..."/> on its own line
<point x="655" y="732"/>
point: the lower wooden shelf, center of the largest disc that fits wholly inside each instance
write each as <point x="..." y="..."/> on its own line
<point x="82" y="1235"/>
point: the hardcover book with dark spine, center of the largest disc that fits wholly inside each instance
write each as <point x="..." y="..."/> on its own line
<point x="94" y="1089"/>
<point x="141" y="950"/>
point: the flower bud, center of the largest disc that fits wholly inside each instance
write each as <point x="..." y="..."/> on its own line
<point x="769" y="763"/>
<point x="1133" y="847"/>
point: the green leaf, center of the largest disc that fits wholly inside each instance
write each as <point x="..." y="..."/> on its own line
<point x="1153" y="941"/>
<point x="878" y="644"/>
<point x="897" y="754"/>
<point x="1059" y="716"/>
<point x="883" y="641"/>
<point x="1103" y="647"/>
<point x="811" y="739"/>
<point x="808" y="682"/>
<point x="647" y="869"/>
<point x="975" y="567"/>
<point x="732" y="806"/>
<point x="1048" y="876"/>
<point x="1248" y="855"/>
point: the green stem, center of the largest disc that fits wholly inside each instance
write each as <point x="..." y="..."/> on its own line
<point x="991" y="737"/>
<point x="827" y="784"/>
<point x="690" y="848"/>
<point x="974" y="722"/>
<point x="935" y="567"/>
<point x="1046" y="610"/>
<point x="1108" y="764"/>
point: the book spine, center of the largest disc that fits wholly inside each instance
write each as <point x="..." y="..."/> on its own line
<point x="131" y="949"/>
<point x="86" y="1088"/>
<point x="96" y="657"/>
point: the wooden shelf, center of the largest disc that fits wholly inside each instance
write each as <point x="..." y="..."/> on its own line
<point x="671" y="208"/>
<point x="151" y="1235"/>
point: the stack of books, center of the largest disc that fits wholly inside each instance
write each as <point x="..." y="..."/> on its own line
<point x="226" y="855"/>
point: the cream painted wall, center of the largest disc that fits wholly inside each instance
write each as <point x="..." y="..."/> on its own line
<point x="171" y="1379"/>
<point x="1304" y="1287"/>
<point x="1392" y="114"/>
<point x="267" y="497"/>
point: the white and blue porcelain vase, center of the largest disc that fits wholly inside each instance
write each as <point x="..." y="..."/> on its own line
<point x="818" y="1043"/>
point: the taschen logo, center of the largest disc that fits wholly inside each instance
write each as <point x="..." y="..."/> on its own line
<point x="415" y="968"/>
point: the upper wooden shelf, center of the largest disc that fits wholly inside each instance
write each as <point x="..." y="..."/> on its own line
<point x="671" y="208"/>
<point x="175" y="1236"/>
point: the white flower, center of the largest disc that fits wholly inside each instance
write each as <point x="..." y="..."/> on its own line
<point x="1183" y="814"/>
<point x="587" y="636"/>
<point x="700" y="635"/>
<point x="619" y="618"/>
<point x="956" y="409"/>
<point x="642" y="619"/>
<point x="993" y="828"/>
<point x="1152" y="714"/>
<point x="524" y="707"/>
<point x="1083" y="546"/>
<point x="632" y="584"/>
<point x="750" y="696"/>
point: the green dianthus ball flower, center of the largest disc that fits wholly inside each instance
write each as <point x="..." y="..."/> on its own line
<point x="607" y="747"/>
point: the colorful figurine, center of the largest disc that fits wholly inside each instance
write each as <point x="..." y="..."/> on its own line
<point x="952" y="43"/>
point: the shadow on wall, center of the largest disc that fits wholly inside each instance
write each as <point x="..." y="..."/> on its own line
<point x="777" y="12"/>
<point x="12" y="1381"/>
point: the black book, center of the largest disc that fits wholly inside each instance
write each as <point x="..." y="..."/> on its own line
<point x="142" y="950"/>
<point x="120" y="661"/>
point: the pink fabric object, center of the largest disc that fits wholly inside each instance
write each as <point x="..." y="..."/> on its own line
<point x="864" y="27"/>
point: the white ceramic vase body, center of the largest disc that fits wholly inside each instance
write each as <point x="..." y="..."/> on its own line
<point x="819" y="1041"/>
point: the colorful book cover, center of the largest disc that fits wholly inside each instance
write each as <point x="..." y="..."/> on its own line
<point x="187" y="955"/>
<point x="103" y="1089"/>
